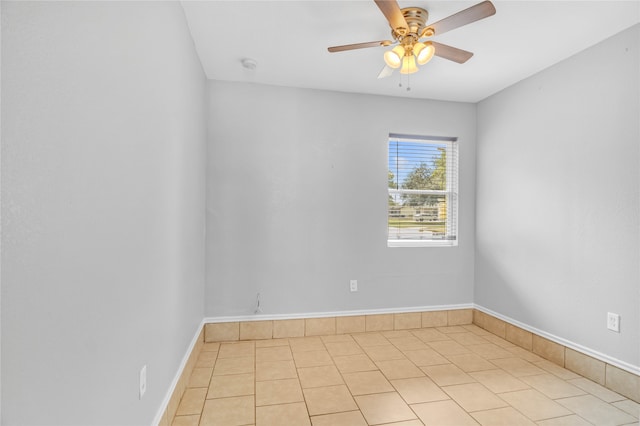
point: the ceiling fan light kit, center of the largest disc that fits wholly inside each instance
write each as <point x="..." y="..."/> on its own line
<point x="409" y="26"/>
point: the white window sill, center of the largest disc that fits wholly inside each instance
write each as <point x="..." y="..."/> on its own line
<point x="421" y="243"/>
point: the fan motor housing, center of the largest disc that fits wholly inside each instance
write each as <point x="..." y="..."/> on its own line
<point x="416" y="18"/>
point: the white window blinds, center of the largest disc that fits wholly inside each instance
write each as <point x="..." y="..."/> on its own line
<point x="423" y="191"/>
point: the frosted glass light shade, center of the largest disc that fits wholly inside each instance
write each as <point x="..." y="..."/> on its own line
<point x="408" y="65"/>
<point x="424" y="52"/>
<point x="393" y="57"/>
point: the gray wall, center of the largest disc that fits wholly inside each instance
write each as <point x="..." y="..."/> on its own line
<point x="103" y="185"/>
<point x="297" y="198"/>
<point x="558" y="216"/>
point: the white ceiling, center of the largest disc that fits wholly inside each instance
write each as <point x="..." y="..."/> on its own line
<point x="289" y="41"/>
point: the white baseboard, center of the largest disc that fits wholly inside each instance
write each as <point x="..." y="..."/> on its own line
<point x="176" y="378"/>
<point x="275" y="317"/>
<point x="564" y="342"/>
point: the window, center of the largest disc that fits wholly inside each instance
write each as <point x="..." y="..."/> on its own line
<point x="423" y="191"/>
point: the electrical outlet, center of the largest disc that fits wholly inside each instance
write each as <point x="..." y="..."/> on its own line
<point x="143" y="381"/>
<point x="353" y="285"/>
<point x="613" y="322"/>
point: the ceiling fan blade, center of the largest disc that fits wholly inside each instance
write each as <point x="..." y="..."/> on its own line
<point x="386" y="72"/>
<point x="464" y="17"/>
<point x="451" y="53"/>
<point x="392" y="12"/>
<point x="359" y="45"/>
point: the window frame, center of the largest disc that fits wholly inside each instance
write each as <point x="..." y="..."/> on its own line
<point x="452" y="191"/>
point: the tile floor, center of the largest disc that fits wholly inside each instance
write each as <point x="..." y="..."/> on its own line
<point x="459" y="375"/>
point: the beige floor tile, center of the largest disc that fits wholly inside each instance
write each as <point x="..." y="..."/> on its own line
<point x="399" y="369"/>
<point x="312" y="359"/>
<point x="200" y="377"/>
<point x="303" y="344"/>
<point x="552" y="386"/>
<point x="383" y="408"/>
<point x="506" y="416"/>
<point x="410" y="343"/>
<point x="355" y="324"/>
<point x="330" y="399"/>
<point x="460" y="316"/>
<point x="556" y="370"/>
<point x="349" y="418"/>
<point x="572" y="420"/>
<point x="236" y="349"/>
<point x="548" y="350"/>
<point x="192" y="401"/>
<point x="288" y="328"/>
<point x="271" y="342"/>
<point x="623" y="382"/>
<point x="585" y="365"/>
<point x="596" y="390"/>
<point x="231" y="385"/>
<point x="534" y="405"/>
<point x="370" y="339"/>
<point x="275" y="370"/>
<point x="629" y="407"/>
<point x="379" y="322"/>
<point x="367" y="382"/>
<point x="490" y="351"/>
<point x="524" y="354"/>
<point x="192" y="420"/>
<point x="407" y="320"/>
<point x="234" y="366"/>
<point x="234" y="411"/>
<point x="443" y="413"/>
<point x="499" y="381"/>
<point x="319" y="326"/>
<point x="448" y="347"/>
<point x="337" y="338"/>
<point x="226" y="375"/>
<point x="429" y="335"/>
<point x="596" y="411"/>
<point x="468" y="338"/>
<point x="210" y="347"/>
<point x="418" y="389"/>
<point x="396" y="334"/>
<point x="283" y="414"/>
<point x="424" y="357"/>
<point x="447" y="375"/>
<point x="383" y="352"/>
<point x="273" y="392"/>
<point x="476" y="330"/>
<point x="451" y="329"/>
<point x="414" y="422"/>
<point x="254" y="330"/>
<point x="352" y="363"/>
<point x="474" y="397"/>
<point x="471" y="362"/>
<point x="498" y="341"/>
<point x="519" y="336"/>
<point x="207" y="359"/>
<point x="220" y="332"/>
<point x="275" y="353"/>
<point x="517" y="366"/>
<point x="434" y="319"/>
<point x="496" y="326"/>
<point x="315" y="377"/>
<point x="343" y="348"/>
<point x="480" y="319"/>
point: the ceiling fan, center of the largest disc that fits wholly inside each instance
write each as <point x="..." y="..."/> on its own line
<point x="409" y="29"/>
